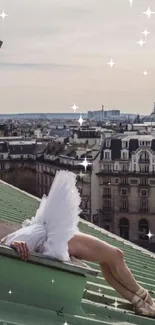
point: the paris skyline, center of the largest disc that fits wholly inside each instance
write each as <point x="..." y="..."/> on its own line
<point x="54" y="55"/>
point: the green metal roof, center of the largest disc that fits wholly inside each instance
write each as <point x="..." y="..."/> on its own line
<point x="98" y="298"/>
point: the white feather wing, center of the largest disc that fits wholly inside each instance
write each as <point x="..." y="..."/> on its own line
<point x="61" y="213"/>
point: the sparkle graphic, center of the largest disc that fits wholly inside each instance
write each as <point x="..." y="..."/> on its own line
<point x="10" y="292"/>
<point x="3" y="15"/>
<point x="111" y="63"/>
<point x="74" y="107"/>
<point x="80" y="120"/>
<point x="146" y="32"/>
<point x="131" y="2"/>
<point x="99" y="290"/>
<point x="145" y="73"/>
<point x="52" y="281"/>
<point x="149" y="234"/>
<point x="65" y="323"/>
<point x="141" y="42"/>
<point x="85" y="164"/>
<point x="115" y="304"/>
<point x="148" y="12"/>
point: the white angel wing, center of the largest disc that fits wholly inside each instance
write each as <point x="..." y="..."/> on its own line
<point x="61" y="213"/>
<point x="39" y="216"/>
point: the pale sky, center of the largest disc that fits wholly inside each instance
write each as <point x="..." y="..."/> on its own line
<point x="55" y="53"/>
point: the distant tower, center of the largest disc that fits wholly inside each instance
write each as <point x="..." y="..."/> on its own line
<point x="102" y="111"/>
<point x="153" y="111"/>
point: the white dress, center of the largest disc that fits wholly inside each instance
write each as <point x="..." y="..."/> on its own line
<point x="56" y="220"/>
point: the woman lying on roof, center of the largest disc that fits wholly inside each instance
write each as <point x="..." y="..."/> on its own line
<point x="54" y="232"/>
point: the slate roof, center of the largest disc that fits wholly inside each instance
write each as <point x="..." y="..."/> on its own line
<point x="116" y="144"/>
<point x="98" y="298"/>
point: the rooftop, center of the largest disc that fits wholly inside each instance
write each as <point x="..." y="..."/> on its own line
<point x="98" y="298"/>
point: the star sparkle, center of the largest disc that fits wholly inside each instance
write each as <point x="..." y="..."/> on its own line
<point x="145" y="73"/>
<point x="149" y="234"/>
<point x="115" y="304"/>
<point x="80" y="120"/>
<point x="111" y="63"/>
<point x="74" y="107"/>
<point x="131" y="2"/>
<point x="10" y="292"/>
<point x="141" y="42"/>
<point x="148" y="13"/>
<point x="85" y="164"/>
<point x="3" y="15"/>
<point x="146" y="32"/>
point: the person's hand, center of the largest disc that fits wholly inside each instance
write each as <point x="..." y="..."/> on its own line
<point x="21" y="248"/>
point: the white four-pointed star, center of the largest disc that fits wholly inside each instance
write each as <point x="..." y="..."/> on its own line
<point x="85" y="164"/>
<point x="146" y="32"/>
<point x="80" y="120"/>
<point x="74" y="107"/>
<point x="141" y="42"/>
<point x="3" y="15"/>
<point x="149" y="234"/>
<point x="10" y="292"/>
<point x="111" y="63"/>
<point x="148" y="12"/>
<point x="131" y="2"/>
<point x="145" y="73"/>
<point x="115" y="304"/>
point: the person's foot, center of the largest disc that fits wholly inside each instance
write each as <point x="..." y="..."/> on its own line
<point x="144" y="294"/>
<point x="142" y="308"/>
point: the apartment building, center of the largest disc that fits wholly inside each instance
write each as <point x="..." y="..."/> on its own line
<point x="127" y="186"/>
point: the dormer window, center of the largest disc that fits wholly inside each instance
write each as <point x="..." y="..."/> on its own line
<point x="124" y="155"/>
<point x="108" y="143"/>
<point x="125" y="144"/>
<point x="107" y="154"/>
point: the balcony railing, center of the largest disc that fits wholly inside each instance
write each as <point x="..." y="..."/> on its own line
<point x="144" y="161"/>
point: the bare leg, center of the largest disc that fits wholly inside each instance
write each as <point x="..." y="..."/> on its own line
<point x="106" y="271"/>
<point x="89" y="248"/>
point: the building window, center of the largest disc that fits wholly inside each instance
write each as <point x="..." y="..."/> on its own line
<point x="106" y="154"/>
<point x="124" y="228"/>
<point x="124" y="205"/>
<point x="108" y="143"/>
<point x="107" y="168"/>
<point x="125" y="144"/>
<point x="107" y="191"/>
<point x="144" y="229"/>
<point x="144" y="193"/>
<point x="143" y="206"/>
<point x="124" y="168"/>
<point x="144" y="169"/>
<point x="85" y="204"/>
<point x="144" y="157"/>
<point x="107" y="204"/>
<point x="143" y="180"/>
<point x="124" y="191"/>
<point x="116" y="180"/>
<point x="125" y="155"/>
<point x="107" y="217"/>
<point x="124" y="180"/>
